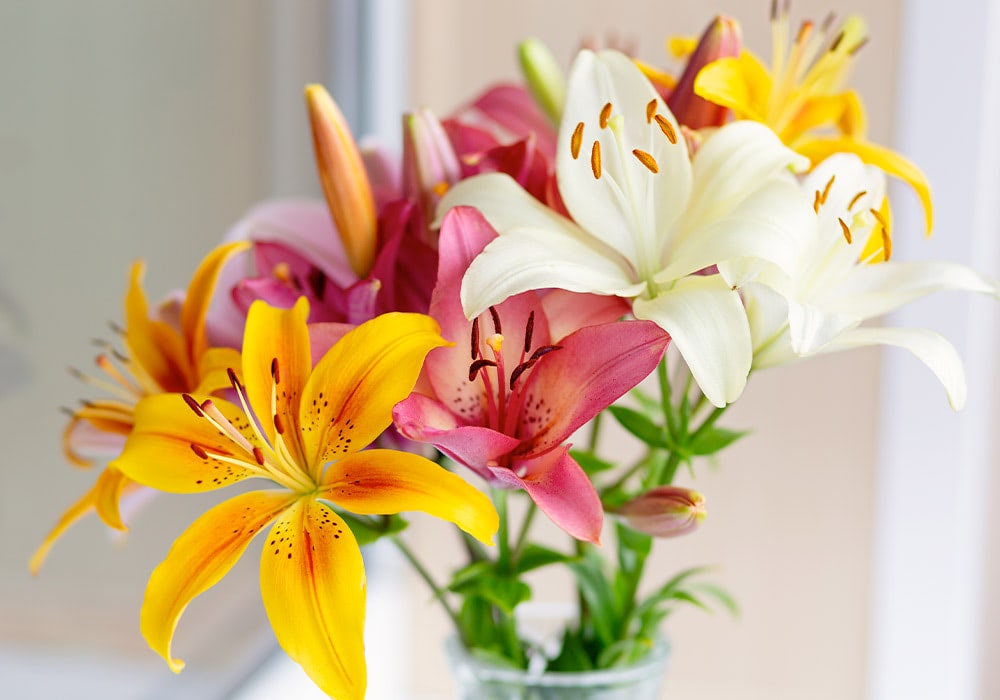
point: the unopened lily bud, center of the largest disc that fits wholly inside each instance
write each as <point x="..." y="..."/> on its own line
<point x="665" y="511"/>
<point x="544" y="77"/>
<point x="721" y="40"/>
<point x="344" y="180"/>
<point x="430" y="165"/>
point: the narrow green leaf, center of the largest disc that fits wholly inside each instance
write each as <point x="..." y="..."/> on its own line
<point x="536" y="556"/>
<point x="641" y="426"/>
<point x="714" y="439"/>
<point x="591" y="463"/>
<point x="366" y="532"/>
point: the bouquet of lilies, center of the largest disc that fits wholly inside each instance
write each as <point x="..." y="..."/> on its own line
<point x="433" y="335"/>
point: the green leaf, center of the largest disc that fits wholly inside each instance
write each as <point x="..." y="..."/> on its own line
<point x="536" y="556"/>
<point x="573" y="656"/>
<point x="641" y="426"/>
<point x="597" y="592"/>
<point x="591" y="463"/>
<point x="714" y="439"/>
<point x="481" y="580"/>
<point x="720" y="595"/>
<point x="366" y="531"/>
<point x="494" y="657"/>
<point x="668" y="591"/>
<point x="469" y="576"/>
<point x="625" y="652"/>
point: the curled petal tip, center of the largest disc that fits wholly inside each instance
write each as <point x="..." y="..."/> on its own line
<point x="343" y="178"/>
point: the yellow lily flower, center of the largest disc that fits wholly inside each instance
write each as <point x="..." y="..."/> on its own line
<point x="159" y="357"/>
<point x="802" y="97"/>
<point x="304" y="429"/>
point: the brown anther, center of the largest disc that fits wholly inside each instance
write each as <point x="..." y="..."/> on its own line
<point x="193" y="405"/>
<point x="478" y="365"/>
<point x="275" y="372"/>
<point x="542" y="351"/>
<point x="75" y="373"/>
<point x="826" y="190"/>
<point x="605" y="115"/>
<point x="475" y="338"/>
<point x="667" y="128"/>
<point x="886" y="244"/>
<point x="279" y="424"/>
<point x="595" y="159"/>
<point x="827" y="22"/>
<point x="879" y="218"/>
<point x="258" y="455"/>
<point x="102" y="361"/>
<point x="858" y="196"/>
<point x="233" y="379"/>
<point x="774" y="10"/>
<point x="860" y="45"/>
<point x="647" y="160"/>
<point x="836" y="42"/>
<point x="576" y="141"/>
<point x="519" y="370"/>
<point x="115" y="328"/>
<point x="650" y="110"/>
<point x="199" y="450"/>
<point x="847" y="231"/>
<point x="529" y="330"/>
<point x="496" y="320"/>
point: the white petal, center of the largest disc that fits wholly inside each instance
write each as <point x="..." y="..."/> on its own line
<point x="767" y="312"/>
<point x="628" y="207"/>
<point x="706" y="320"/>
<point x="771" y="225"/>
<point x="528" y="258"/>
<point x="929" y="347"/>
<point x="734" y="162"/>
<point x="873" y="290"/>
<point x="811" y="327"/>
<point x="503" y="202"/>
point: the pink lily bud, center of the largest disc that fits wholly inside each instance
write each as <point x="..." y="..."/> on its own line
<point x="430" y="165"/>
<point x="665" y="511"/>
<point x="721" y="40"/>
<point x="344" y="180"/>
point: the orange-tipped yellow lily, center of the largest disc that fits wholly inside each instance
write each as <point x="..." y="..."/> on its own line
<point x="159" y="357"/>
<point x="802" y="97"/>
<point x="344" y="179"/>
<point x="304" y="429"/>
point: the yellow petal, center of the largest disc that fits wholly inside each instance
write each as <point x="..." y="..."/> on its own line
<point x="72" y="514"/>
<point x="344" y="179"/>
<point x="277" y="335"/>
<point x="349" y="398"/>
<point x="199" y="559"/>
<point x="213" y="369"/>
<point x="199" y="295"/>
<point x="158" y="453"/>
<point x="878" y="247"/>
<point x="888" y="160"/>
<point x="742" y="84"/>
<point x="106" y="415"/>
<point x="107" y="495"/>
<point x="842" y="111"/>
<point x="853" y="122"/>
<point x="682" y="46"/>
<point x="312" y="580"/>
<point x="656" y="76"/>
<point x="383" y="482"/>
<point x="157" y="347"/>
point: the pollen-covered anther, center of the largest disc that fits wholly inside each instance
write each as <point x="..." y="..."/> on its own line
<point x="595" y="159"/>
<point x="193" y="405"/>
<point x="826" y="189"/>
<point x="650" y="110"/>
<point x="476" y="366"/>
<point x="886" y="244"/>
<point x="576" y="141"/>
<point x="857" y="197"/>
<point x="495" y="315"/>
<point x="817" y="201"/>
<point x="283" y="273"/>
<point x="847" y="231"/>
<point x="441" y="188"/>
<point x="275" y="372"/>
<point x="199" y="450"/>
<point x="544" y="350"/>
<point x="258" y="455"/>
<point x="647" y="160"/>
<point x="805" y="29"/>
<point x="605" y="115"/>
<point x="279" y="425"/>
<point x="667" y="128"/>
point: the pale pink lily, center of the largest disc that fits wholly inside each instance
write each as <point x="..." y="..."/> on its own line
<point x="645" y="218"/>
<point x="838" y="282"/>
<point x="506" y="397"/>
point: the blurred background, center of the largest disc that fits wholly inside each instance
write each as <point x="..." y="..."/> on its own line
<point x="852" y="526"/>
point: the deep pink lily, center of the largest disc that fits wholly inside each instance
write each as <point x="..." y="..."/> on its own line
<point x="520" y="380"/>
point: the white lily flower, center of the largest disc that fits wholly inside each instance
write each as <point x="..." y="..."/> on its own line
<point x="645" y="218"/>
<point x="833" y="288"/>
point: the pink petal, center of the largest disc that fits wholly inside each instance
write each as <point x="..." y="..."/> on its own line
<point x="513" y="110"/>
<point x="595" y="367"/>
<point x="568" y="311"/>
<point x="521" y="160"/>
<point x="323" y="336"/>
<point x="424" y="419"/>
<point x="562" y="490"/>
<point x="383" y="173"/>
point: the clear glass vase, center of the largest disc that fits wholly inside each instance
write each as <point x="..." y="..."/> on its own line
<point x="476" y="679"/>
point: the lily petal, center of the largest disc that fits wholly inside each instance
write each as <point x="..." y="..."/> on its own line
<point x="158" y="348"/>
<point x="348" y="399"/>
<point x="741" y="84"/>
<point x="384" y="482"/>
<point x="73" y="514"/>
<point x="199" y="559"/>
<point x="312" y="580"/>
<point x="199" y="294"/>
<point x="709" y="327"/>
<point x="568" y="311"/>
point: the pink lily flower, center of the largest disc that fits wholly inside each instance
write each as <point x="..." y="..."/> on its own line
<point x="505" y="405"/>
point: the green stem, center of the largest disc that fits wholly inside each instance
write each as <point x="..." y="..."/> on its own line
<point x="709" y="421"/>
<point x="428" y="579"/>
<point x="522" y="536"/>
<point x="595" y="428"/>
<point x="666" y="401"/>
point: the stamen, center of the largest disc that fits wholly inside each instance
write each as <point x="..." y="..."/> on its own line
<point x="858" y="196"/>
<point x="529" y="329"/>
<point x="475" y="338"/>
<point x="275" y="372"/>
<point x="826" y="190"/>
<point x="258" y="455"/>
<point x="879" y="218"/>
<point x="478" y="365"/>
<point x="836" y="42"/>
<point x="774" y="10"/>
<point x="817" y="201"/>
<point x="199" y="450"/>
<point x="115" y="328"/>
<point x="860" y="45"/>
<point x="805" y="29"/>
<point x="112" y="371"/>
<point x="576" y="141"/>
<point x="441" y="188"/>
<point x="847" y="231"/>
<point x="283" y="273"/>
<point x="193" y="405"/>
<point x="496" y="320"/>
<point x="605" y="115"/>
<point x="828" y="22"/>
<point x="544" y="350"/>
<point x="886" y="244"/>
<point x="667" y="128"/>
<point x="233" y="379"/>
<point x="646" y="160"/>
<point x="650" y="110"/>
<point x="279" y="424"/>
<point x="595" y="159"/>
<point x="519" y="370"/>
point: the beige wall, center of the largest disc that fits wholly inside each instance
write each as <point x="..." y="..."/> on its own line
<point x="790" y="506"/>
